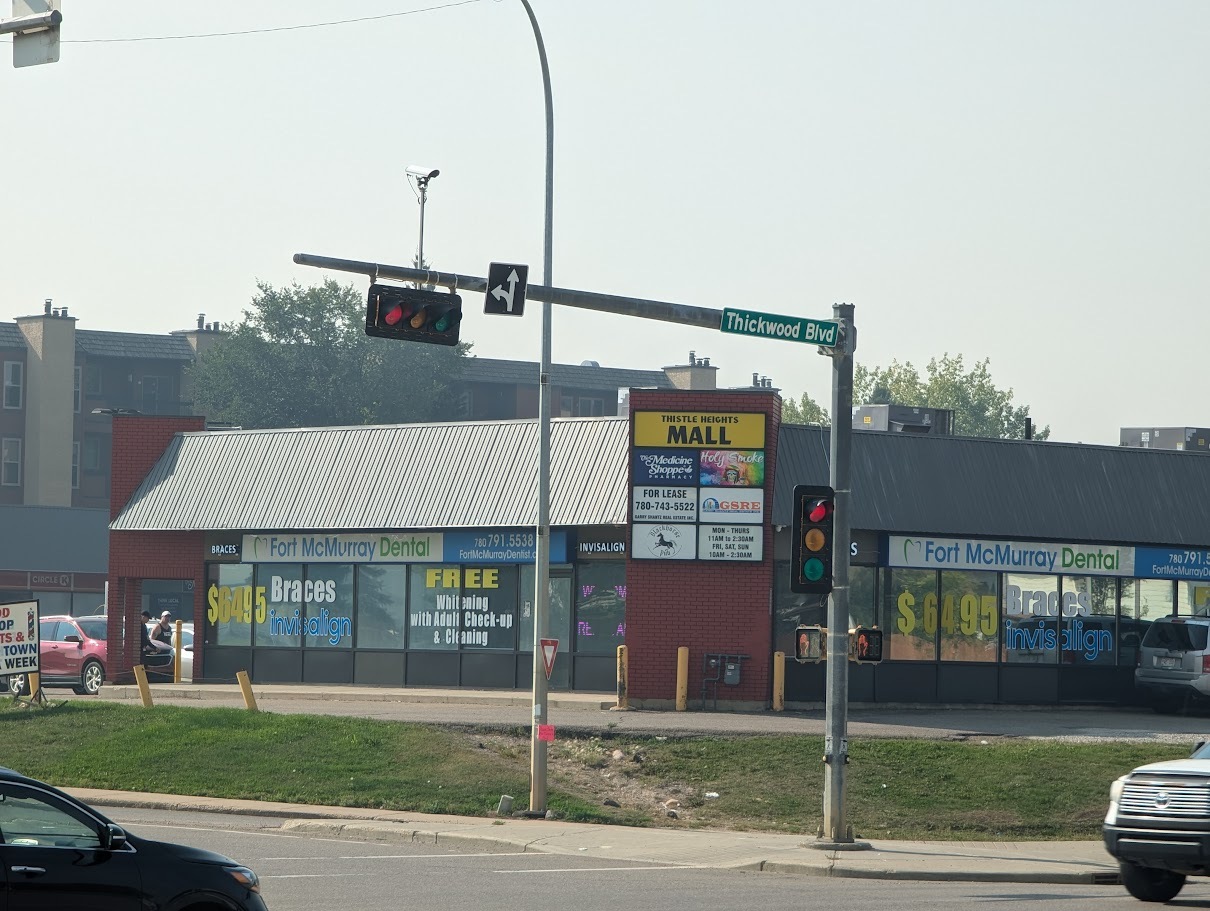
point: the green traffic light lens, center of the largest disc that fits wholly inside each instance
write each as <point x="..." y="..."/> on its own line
<point x="813" y="570"/>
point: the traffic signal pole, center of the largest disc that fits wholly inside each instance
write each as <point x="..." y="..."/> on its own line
<point x="836" y="830"/>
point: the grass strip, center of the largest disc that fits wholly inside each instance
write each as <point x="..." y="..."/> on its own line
<point x="1002" y="789"/>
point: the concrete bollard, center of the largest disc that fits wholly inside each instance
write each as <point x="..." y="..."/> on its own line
<point x="779" y="681"/>
<point x="623" y="678"/>
<point x="682" y="678"/>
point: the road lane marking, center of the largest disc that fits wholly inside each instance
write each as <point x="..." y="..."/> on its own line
<point x="409" y="856"/>
<point x="609" y="869"/>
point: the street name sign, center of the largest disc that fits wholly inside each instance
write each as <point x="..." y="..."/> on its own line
<point x="823" y="332"/>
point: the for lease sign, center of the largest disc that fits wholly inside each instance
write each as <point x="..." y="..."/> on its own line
<point x="19" y="638"/>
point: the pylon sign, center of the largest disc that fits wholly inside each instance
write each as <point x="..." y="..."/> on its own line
<point x="549" y="648"/>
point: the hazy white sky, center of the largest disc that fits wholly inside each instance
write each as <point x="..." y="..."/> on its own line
<point x="1019" y="181"/>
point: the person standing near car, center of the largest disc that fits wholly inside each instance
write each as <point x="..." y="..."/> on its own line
<point x="161" y="633"/>
<point x="145" y="643"/>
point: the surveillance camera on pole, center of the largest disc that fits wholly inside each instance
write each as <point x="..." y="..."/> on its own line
<point x="423" y="175"/>
<point x="35" y="31"/>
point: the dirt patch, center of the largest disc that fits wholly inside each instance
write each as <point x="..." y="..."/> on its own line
<point x="603" y="771"/>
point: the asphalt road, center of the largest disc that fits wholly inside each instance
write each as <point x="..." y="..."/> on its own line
<point x="300" y="872"/>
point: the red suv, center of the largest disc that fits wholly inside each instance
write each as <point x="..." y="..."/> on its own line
<point x="72" y="651"/>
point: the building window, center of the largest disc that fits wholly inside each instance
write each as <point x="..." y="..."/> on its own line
<point x="10" y="463"/>
<point x="910" y="604"/>
<point x="92" y="379"/>
<point x="590" y="408"/>
<point x="1032" y="609"/>
<point x="381" y="605"/>
<point x="600" y="607"/>
<point x="75" y="465"/>
<point x="14" y="373"/>
<point x="75" y="391"/>
<point x="157" y="394"/>
<point x="92" y="452"/>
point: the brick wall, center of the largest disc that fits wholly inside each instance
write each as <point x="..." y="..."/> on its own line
<point x="706" y="606"/>
<point x="138" y="443"/>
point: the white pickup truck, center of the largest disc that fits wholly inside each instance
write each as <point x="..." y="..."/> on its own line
<point x="1158" y="825"/>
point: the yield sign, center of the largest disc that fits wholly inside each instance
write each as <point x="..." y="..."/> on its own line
<point x="549" y="647"/>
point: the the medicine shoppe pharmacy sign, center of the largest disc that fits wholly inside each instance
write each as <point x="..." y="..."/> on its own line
<point x="697" y="486"/>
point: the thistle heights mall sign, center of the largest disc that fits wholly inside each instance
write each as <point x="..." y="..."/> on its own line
<point x="697" y="486"/>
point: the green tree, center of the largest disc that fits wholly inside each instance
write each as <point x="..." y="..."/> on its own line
<point x="980" y="408"/>
<point x="805" y="411"/>
<point x="300" y="358"/>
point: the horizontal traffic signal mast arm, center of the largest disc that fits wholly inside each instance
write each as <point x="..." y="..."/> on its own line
<point x="685" y="314"/>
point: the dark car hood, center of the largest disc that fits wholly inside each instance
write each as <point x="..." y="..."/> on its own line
<point x="183" y="852"/>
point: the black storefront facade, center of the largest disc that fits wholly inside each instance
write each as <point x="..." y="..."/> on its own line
<point x="1002" y="572"/>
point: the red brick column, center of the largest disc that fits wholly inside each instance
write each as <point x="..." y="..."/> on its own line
<point x="138" y="443"/>
<point x="705" y="605"/>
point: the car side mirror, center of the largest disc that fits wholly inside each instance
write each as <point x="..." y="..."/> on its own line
<point x="72" y="638"/>
<point x="112" y="838"/>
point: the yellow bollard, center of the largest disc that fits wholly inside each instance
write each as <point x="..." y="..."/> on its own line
<point x="140" y="677"/>
<point x="245" y="686"/>
<point x="779" y="681"/>
<point x="623" y="679"/>
<point x="682" y="678"/>
<point x="176" y="655"/>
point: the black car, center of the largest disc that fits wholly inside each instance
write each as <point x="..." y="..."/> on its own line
<point x="59" y="854"/>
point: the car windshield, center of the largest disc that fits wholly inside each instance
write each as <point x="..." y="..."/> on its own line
<point x="1177" y="637"/>
<point x="92" y="627"/>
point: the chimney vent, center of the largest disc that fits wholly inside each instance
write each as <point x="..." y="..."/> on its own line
<point x="692" y="358"/>
<point x="705" y="362"/>
<point x="63" y="313"/>
<point x="49" y="301"/>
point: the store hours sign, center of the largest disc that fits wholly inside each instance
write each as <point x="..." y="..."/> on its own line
<point x="697" y="486"/>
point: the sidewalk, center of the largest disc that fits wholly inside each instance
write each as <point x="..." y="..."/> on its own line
<point x="1019" y="862"/>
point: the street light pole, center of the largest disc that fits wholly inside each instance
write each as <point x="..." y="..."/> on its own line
<point x="421" y="176"/>
<point x="537" y="787"/>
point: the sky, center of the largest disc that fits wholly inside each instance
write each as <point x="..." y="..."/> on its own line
<point x="1024" y="182"/>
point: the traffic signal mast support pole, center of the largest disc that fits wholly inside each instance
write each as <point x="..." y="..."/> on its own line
<point x="836" y="830"/>
<point x="685" y="314"/>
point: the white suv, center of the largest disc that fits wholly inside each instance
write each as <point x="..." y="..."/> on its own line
<point x="1158" y="825"/>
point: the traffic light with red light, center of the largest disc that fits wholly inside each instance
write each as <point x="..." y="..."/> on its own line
<point x="865" y="644"/>
<point x="413" y="314"/>
<point x="813" y="545"/>
<point x="810" y="644"/>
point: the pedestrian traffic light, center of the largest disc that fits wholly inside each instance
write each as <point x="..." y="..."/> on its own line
<point x="413" y="314"/>
<point x="865" y="644"/>
<point x="810" y="644"/>
<point x="811" y="563"/>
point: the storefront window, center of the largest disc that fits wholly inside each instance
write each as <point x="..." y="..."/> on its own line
<point x="1089" y="608"/>
<point x="1031" y="619"/>
<point x="1147" y="599"/>
<point x="1193" y="598"/>
<point x="433" y="607"/>
<point x="278" y="622"/>
<point x="863" y="609"/>
<point x="381" y="605"/>
<point x="489" y="607"/>
<point x="328" y="605"/>
<point x="558" y="623"/>
<point x="600" y="607"/>
<point x="229" y="604"/>
<point x="910" y="600"/>
<point x="1132" y="625"/>
<point x="967" y="618"/>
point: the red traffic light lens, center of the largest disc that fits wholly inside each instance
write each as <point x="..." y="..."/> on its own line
<point x="393" y="316"/>
<point x="819" y="511"/>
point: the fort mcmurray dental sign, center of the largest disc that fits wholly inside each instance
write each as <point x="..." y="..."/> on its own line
<point x="1026" y="613"/>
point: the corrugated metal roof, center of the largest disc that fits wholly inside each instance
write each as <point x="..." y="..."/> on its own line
<point x="467" y="475"/>
<point x="494" y="370"/>
<point x="966" y="486"/>
<point x="54" y="539"/>
<point x="98" y="343"/>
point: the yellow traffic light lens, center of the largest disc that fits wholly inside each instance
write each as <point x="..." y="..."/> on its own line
<point x="814" y="540"/>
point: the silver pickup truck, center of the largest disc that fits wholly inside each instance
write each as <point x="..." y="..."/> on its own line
<point x="1158" y="825"/>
